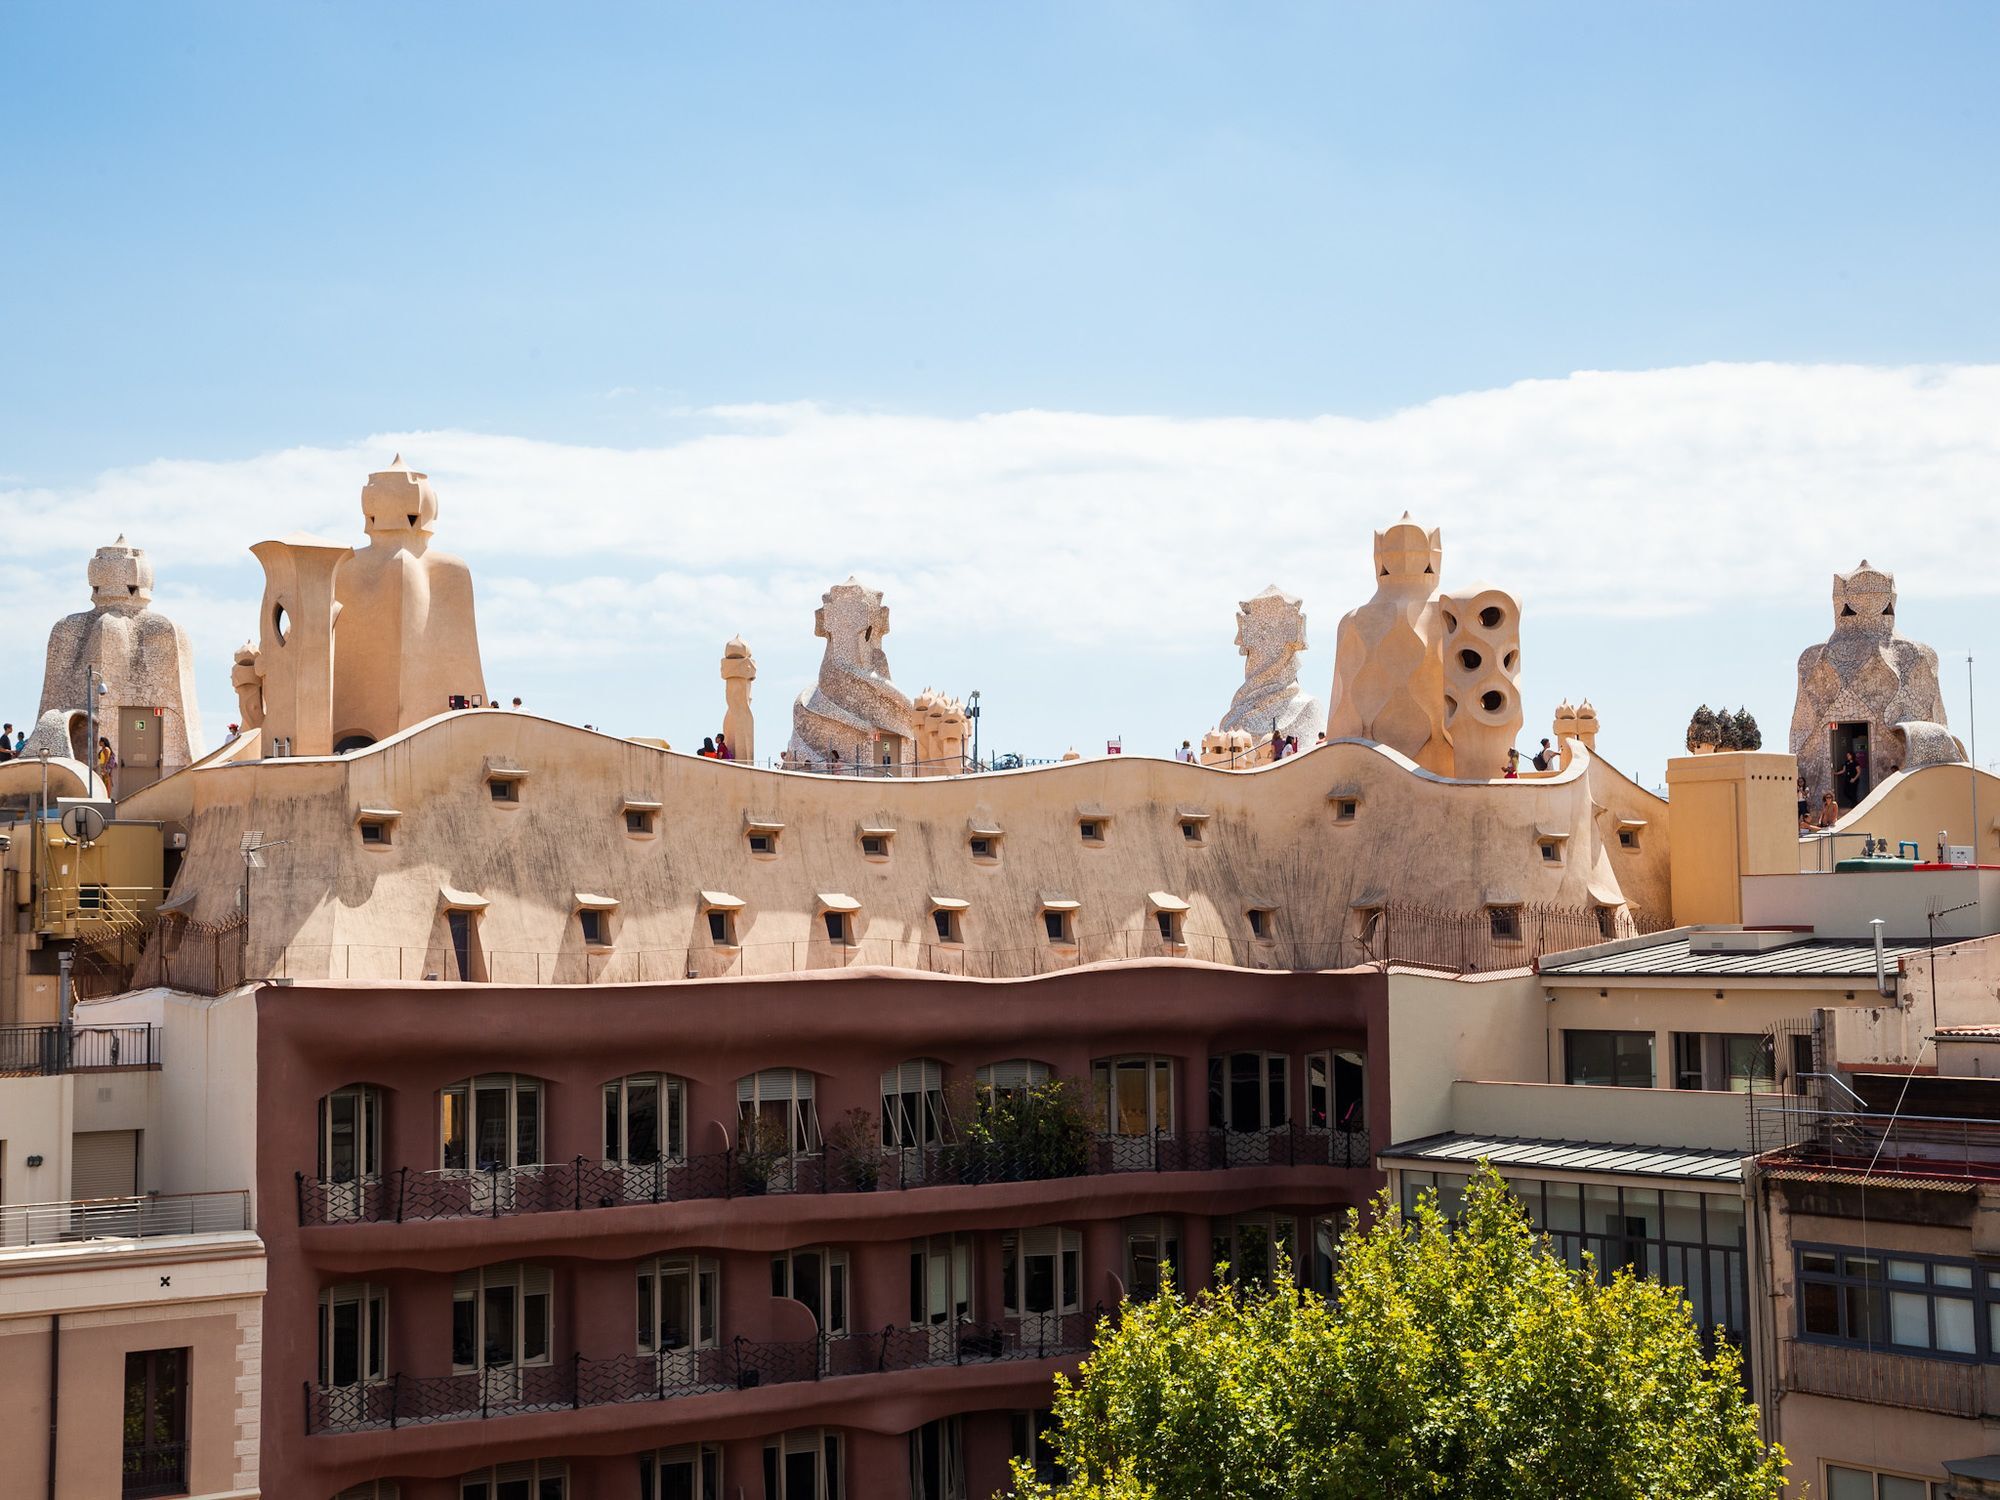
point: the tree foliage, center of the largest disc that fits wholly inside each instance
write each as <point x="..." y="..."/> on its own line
<point x="1460" y="1359"/>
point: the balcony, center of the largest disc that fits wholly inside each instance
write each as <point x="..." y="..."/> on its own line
<point x="406" y="1196"/>
<point x="51" y="1050"/>
<point x="1791" y="1134"/>
<point x="1953" y="1387"/>
<point x="740" y="1365"/>
<point x="148" y="1217"/>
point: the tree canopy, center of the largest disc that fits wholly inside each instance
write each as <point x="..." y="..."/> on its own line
<point x="1459" y="1359"/>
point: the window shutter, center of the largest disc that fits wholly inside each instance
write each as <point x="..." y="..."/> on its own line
<point x="1015" y="1073"/>
<point x="774" y="1084"/>
<point x="912" y="1077"/>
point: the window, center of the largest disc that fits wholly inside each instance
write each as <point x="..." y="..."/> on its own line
<point x="540" y="1479"/>
<point x="1252" y="1246"/>
<point x="875" y="845"/>
<point x="913" y="1113"/>
<point x="946" y="920"/>
<point x="1248" y="1091"/>
<point x="639" y="820"/>
<point x="1552" y="850"/>
<point x="803" y="1466"/>
<point x="780" y="1100"/>
<point x="1336" y="1090"/>
<point x="596" y="927"/>
<point x="370" y="1489"/>
<point x="1011" y="1079"/>
<point x="1151" y="1246"/>
<point x="645" y="1117"/>
<point x="1367" y="925"/>
<point x="680" y="1297"/>
<point x="1607" y="921"/>
<point x="156" y="1422"/>
<point x="1843" y="1483"/>
<point x="501" y="1318"/>
<point x="375" y="831"/>
<point x="350" y="1134"/>
<point x="764" y="843"/>
<point x="1135" y="1095"/>
<point x="1033" y="1435"/>
<point x="491" y="1122"/>
<point x="816" y="1277"/>
<point x="1346" y="809"/>
<point x="1321" y="1268"/>
<point x="1091" y="830"/>
<point x="839" y="928"/>
<point x="353" y="1332"/>
<point x="985" y="846"/>
<point x="1621" y="1058"/>
<point x="1261" y="919"/>
<point x="1920" y="1304"/>
<point x="721" y="927"/>
<point x="506" y="789"/>
<point x="937" y="1461"/>
<point x="1738" y="1062"/>
<point x="940" y="1280"/>
<point x="1169" y="923"/>
<point x="682" y="1474"/>
<point x="1504" y="923"/>
<point x="1192" y="830"/>
<point x="1057" y="924"/>
<point x="1628" y="838"/>
<point x="1041" y="1272"/>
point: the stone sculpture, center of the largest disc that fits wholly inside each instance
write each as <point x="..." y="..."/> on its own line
<point x="148" y="709"/>
<point x="854" y="709"/>
<point x="249" y="685"/>
<point x="1228" y="749"/>
<point x="1482" y="680"/>
<point x="942" y="727"/>
<point x="1270" y="634"/>
<point x="1857" y="685"/>
<point x="1388" y="674"/>
<point x="739" y="670"/>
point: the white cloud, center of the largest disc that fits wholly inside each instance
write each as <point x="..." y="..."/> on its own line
<point x="1040" y="532"/>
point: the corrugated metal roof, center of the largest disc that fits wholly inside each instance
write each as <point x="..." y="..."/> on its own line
<point x="1503" y="1151"/>
<point x="1672" y="956"/>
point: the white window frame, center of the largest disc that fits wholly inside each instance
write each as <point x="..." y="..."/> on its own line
<point x="828" y="1450"/>
<point x="537" y="1473"/>
<point x="787" y="1092"/>
<point x="528" y="1283"/>
<point x="948" y="1482"/>
<point x="1934" y="1488"/>
<point x="1280" y="1231"/>
<point x="1063" y="934"/>
<point x="703" y="1294"/>
<point x="371" y="1333"/>
<point x="1268" y="1118"/>
<point x="1064" y="1247"/>
<point x="1158" y="1241"/>
<point x="518" y="1087"/>
<point x="671" y="1110"/>
<point x="1105" y="1073"/>
<point x="836" y="1284"/>
<point x="1012" y="1076"/>
<point x="367" y="1131"/>
<point x="943" y="1282"/>
<point x="704" y="1463"/>
<point x="1323" y="1060"/>
<point x="913" y="1111"/>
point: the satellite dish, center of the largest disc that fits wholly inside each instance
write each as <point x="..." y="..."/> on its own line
<point x="84" y="824"/>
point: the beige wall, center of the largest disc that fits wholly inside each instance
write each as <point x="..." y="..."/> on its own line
<point x="1734" y="814"/>
<point x="1916" y="804"/>
<point x="208" y="1095"/>
<point x="1441" y="1030"/>
<point x="36" y="1119"/>
<point x="1842" y="905"/>
<point x="1636" y="1117"/>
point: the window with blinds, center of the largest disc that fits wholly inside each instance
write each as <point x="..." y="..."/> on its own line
<point x="913" y="1112"/>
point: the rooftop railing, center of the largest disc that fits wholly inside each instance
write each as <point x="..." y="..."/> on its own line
<point x="50" y="1050"/>
<point x="1797" y="1132"/>
<point x="740" y="1364"/>
<point x="147" y="1216"/>
<point x="567" y="1186"/>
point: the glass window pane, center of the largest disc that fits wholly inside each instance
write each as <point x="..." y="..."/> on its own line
<point x="1820" y="1308"/>
<point x="528" y="1126"/>
<point x="1318" y="1092"/>
<point x="498" y="1343"/>
<point x="642" y="1122"/>
<point x="1951" y="1275"/>
<point x="464" y="1332"/>
<point x="1910" y="1319"/>
<point x="1274" y="1073"/>
<point x="1954" y="1325"/>
<point x="341" y="1127"/>
<point x="1894" y="1487"/>
<point x="451" y="1128"/>
<point x="1163" y="1095"/>
<point x="1041" y="1284"/>
<point x="1849" y="1484"/>
<point x="613" y="1137"/>
<point x="346" y="1342"/>
<point x="489" y="1109"/>
<point x="1129" y="1106"/>
<point x="1906" y="1270"/>
<point x="535" y="1326"/>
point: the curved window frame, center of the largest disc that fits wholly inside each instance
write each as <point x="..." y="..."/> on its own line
<point x="467" y="1109"/>
<point x="669" y="1118"/>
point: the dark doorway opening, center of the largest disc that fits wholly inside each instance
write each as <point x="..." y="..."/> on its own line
<point x="1843" y="739"/>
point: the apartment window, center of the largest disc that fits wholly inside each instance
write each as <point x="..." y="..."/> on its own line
<point x="1249" y="1091"/>
<point x="504" y="789"/>
<point x="780" y="1100"/>
<point x="1008" y="1079"/>
<point x="721" y="927"/>
<point x="1169" y="923"/>
<point x="940" y="1280"/>
<point x="350" y="1134"/>
<point x="1135" y="1095"/>
<point x="764" y="843"/>
<point x="985" y="847"/>
<point x="539" y="1479"/>
<point x="816" y="1277"/>
<point x="1090" y="830"/>
<point x="156" y="1422"/>
<point x="1918" y="1304"/>
<point x="945" y="920"/>
<point x="803" y="1466"/>
<point x="1058" y="925"/>
<point x="1620" y="1058"/>
<point x="1253" y="1245"/>
<point x="1034" y="1439"/>
<point x="1261" y="923"/>
<point x="1346" y="809"/>
<point x="1552" y="850"/>
<point x="937" y="1461"/>
<point x="1041" y="1272"/>
<point x="913" y="1113"/>
<point x="645" y="1117"/>
<point x="682" y="1474"/>
<point x="1504" y="923"/>
<point x="639" y="820"/>
<point x="1337" y="1090"/>
<point x="353" y="1334"/>
<point x="502" y="1318"/>
<point x="491" y="1122"/>
<point x="839" y="927"/>
<point x="680" y="1298"/>
<point x="1738" y="1062"/>
<point x="595" y="925"/>
<point x="875" y="845"/>
<point x="1151" y="1247"/>
<point x="1322" y="1266"/>
<point x="375" y="831"/>
<point x="1844" y="1483"/>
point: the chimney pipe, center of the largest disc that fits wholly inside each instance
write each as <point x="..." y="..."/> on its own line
<point x="1882" y="984"/>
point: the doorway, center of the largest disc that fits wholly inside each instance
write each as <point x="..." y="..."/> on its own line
<point x="1842" y="738"/>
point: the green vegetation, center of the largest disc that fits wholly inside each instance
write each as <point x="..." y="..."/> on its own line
<point x="1460" y="1359"/>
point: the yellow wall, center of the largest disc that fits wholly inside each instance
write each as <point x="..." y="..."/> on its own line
<point x="1915" y="805"/>
<point x="1734" y="814"/>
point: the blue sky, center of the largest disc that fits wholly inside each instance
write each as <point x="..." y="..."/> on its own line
<point x="229" y="233"/>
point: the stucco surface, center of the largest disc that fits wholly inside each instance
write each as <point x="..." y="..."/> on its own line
<point x="1271" y="632"/>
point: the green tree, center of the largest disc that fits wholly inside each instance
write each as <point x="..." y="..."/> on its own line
<point x="1461" y="1359"/>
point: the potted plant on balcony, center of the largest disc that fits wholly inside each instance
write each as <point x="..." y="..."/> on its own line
<point x="854" y="1152"/>
<point x="760" y="1147"/>
<point x="1025" y="1134"/>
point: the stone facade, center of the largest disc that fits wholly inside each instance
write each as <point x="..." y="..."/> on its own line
<point x="1270" y="633"/>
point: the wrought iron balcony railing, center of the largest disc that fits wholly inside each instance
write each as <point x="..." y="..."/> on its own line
<point x="405" y="1195"/>
<point x="739" y="1364"/>
<point x="49" y="1050"/>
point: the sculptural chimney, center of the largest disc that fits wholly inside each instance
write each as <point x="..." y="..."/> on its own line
<point x="739" y="670"/>
<point x="1388" y="672"/>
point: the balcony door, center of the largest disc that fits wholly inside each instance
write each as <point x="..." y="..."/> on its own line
<point x="501" y="1321"/>
<point x="156" y="1422"/>
<point x="1041" y="1274"/>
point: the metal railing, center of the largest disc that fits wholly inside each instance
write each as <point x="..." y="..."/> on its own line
<point x="144" y="1217"/>
<point x="405" y="1195"/>
<point x="739" y="1364"/>
<point x="50" y="1050"/>
<point x="160" y="1469"/>
<point x="1795" y="1130"/>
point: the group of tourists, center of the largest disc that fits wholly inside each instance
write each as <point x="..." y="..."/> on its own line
<point x="11" y="742"/>
<point x="716" y="749"/>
